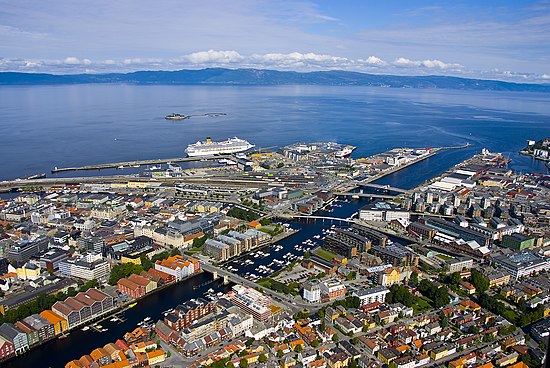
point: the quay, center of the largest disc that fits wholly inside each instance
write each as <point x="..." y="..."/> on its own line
<point x="127" y="164"/>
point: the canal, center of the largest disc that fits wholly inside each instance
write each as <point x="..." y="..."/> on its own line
<point x="57" y="353"/>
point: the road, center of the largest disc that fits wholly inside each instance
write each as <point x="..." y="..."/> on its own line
<point x="291" y="302"/>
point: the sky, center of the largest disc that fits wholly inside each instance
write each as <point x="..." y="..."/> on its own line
<point x="504" y="40"/>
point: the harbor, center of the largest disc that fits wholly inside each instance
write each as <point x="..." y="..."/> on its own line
<point x="138" y="163"/>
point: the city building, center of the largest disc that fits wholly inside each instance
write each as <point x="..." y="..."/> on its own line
<point x="458" y="264"/>
<point x="517" y="241"/>
<point x="88" y="266"/>
<point x="18" y="338"/>
<point x="252" y="301"/>
<point x="522" y="264"/>
<point x="383" y="211"/>
<point x="312" y="292"/>
<point x="371" y="295"/>
<point x="332" y="289"/>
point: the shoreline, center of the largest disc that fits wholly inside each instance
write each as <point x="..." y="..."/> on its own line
<point x="109" y="314"/>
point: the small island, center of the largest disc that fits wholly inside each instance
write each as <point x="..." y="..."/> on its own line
<point x="538" y="149"/>
<point x="175" y="116"/>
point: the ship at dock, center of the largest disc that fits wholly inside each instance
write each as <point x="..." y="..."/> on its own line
<point x="345" y="152"/>
<point x="210" y="148"/>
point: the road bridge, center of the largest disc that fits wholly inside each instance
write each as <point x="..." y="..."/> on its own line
<point x="288" y="301"/>
<point x="385" y="187"/>
<point x="364" y="195"/>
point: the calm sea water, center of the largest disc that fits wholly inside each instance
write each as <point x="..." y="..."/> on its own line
<point x="46" y="126"/>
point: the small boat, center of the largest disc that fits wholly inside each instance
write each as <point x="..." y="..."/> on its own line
<point x="64" y="335"/>
<point x="175" y="116"/>
<point x="85" y="328"/>
<point x="132" y="305"/>
<point x="147" y="319"/>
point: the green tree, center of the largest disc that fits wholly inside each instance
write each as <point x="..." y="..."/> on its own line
<point x="145" y="262"/>
<point x="315" y="344"/>
<point x="298" y="348"/>
<point x="123" y="270"/>
<point x="243" y="363"/>
<point x="280" y="354"/>
<point x="262" y="358"/>
<point x="335" y="338"/>
<point x="413" y="280"/>
<point x="480" y="281"/>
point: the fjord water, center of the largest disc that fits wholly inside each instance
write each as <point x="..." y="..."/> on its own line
<point x="46" y="126"/>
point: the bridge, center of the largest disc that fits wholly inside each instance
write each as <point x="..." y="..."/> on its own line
<point x="289" y="301"/>
<point x="385" y="187"/>
<point x="364" y="195"/>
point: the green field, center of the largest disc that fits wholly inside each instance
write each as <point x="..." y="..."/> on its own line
<point x="325" y="254"/>
<point x="443" y="257"/>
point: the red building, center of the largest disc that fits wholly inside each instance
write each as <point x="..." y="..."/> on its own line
<point x="130" y="288"/>
<point x="6" y="348"/>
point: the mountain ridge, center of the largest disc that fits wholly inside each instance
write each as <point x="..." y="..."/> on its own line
<point x="267" y="77"/>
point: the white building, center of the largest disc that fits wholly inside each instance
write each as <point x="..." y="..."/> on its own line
<point x="383" y="211"/>
<point x="371" y="295"/>
<point x="88" y="267"/>
<point x="312" y="292"/>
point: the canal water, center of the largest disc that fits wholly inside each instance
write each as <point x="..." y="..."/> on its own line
<point x="58" y="352"/>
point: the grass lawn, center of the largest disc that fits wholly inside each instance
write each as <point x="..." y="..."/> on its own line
<point x="325" y="254"/>
<point x="443" y="257"/>
<point x="422" y="305"/>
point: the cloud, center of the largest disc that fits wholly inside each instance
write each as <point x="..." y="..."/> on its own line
<point x="212" y="56"/>
<point x="298" y="61"/>
<point x="71" y="60"/>
<point x="430" y="64"/>
<point x="373" y="60"/>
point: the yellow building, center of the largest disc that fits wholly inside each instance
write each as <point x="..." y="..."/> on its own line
<point x="59" y="323"/>
<point x="156" y="356"/>
<point x="28" y="271"/>
<point x="437" y="354"/>
<point x="388" y="277"/>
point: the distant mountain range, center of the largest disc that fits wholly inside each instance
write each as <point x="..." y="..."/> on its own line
<point x="259" y="77"/>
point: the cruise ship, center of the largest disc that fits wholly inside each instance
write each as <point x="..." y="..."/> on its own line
<point x="346" y="151"/>
<point x="209" y="148"/>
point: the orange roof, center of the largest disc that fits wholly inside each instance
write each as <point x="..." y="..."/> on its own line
<point x="155" y="354"/>
<point x="129" y="284"/>
<point x="74" y="364"/>
<point x="98" y="353"/>
<point x="254" y="223"/>
<point x="121" y="364"/>
<point x="51" y="316"/>
<point x="403" y="348"/>
<point x="519" y="365"/>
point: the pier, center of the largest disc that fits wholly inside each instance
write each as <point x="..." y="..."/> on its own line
<point x="127" y="164"/>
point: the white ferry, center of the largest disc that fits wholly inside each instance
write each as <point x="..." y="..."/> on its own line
<point x="210" y="148"/>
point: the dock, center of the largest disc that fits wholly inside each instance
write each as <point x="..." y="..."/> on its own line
<point x="127" y="164"/>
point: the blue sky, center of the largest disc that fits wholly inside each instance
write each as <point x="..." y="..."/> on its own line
<point x="507" y="40"/>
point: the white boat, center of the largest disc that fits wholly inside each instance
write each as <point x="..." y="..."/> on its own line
<point x="210" y="148"/>
<point x="346" y="151"/>
<point x="85" y="328"/>
<point x="210" y="290"/>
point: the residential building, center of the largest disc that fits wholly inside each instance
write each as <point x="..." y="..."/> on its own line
<point x="312" y="292"/>
<point x="15" y="336"/>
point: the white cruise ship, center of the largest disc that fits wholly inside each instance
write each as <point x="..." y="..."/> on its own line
<point x="209" y="148"/>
